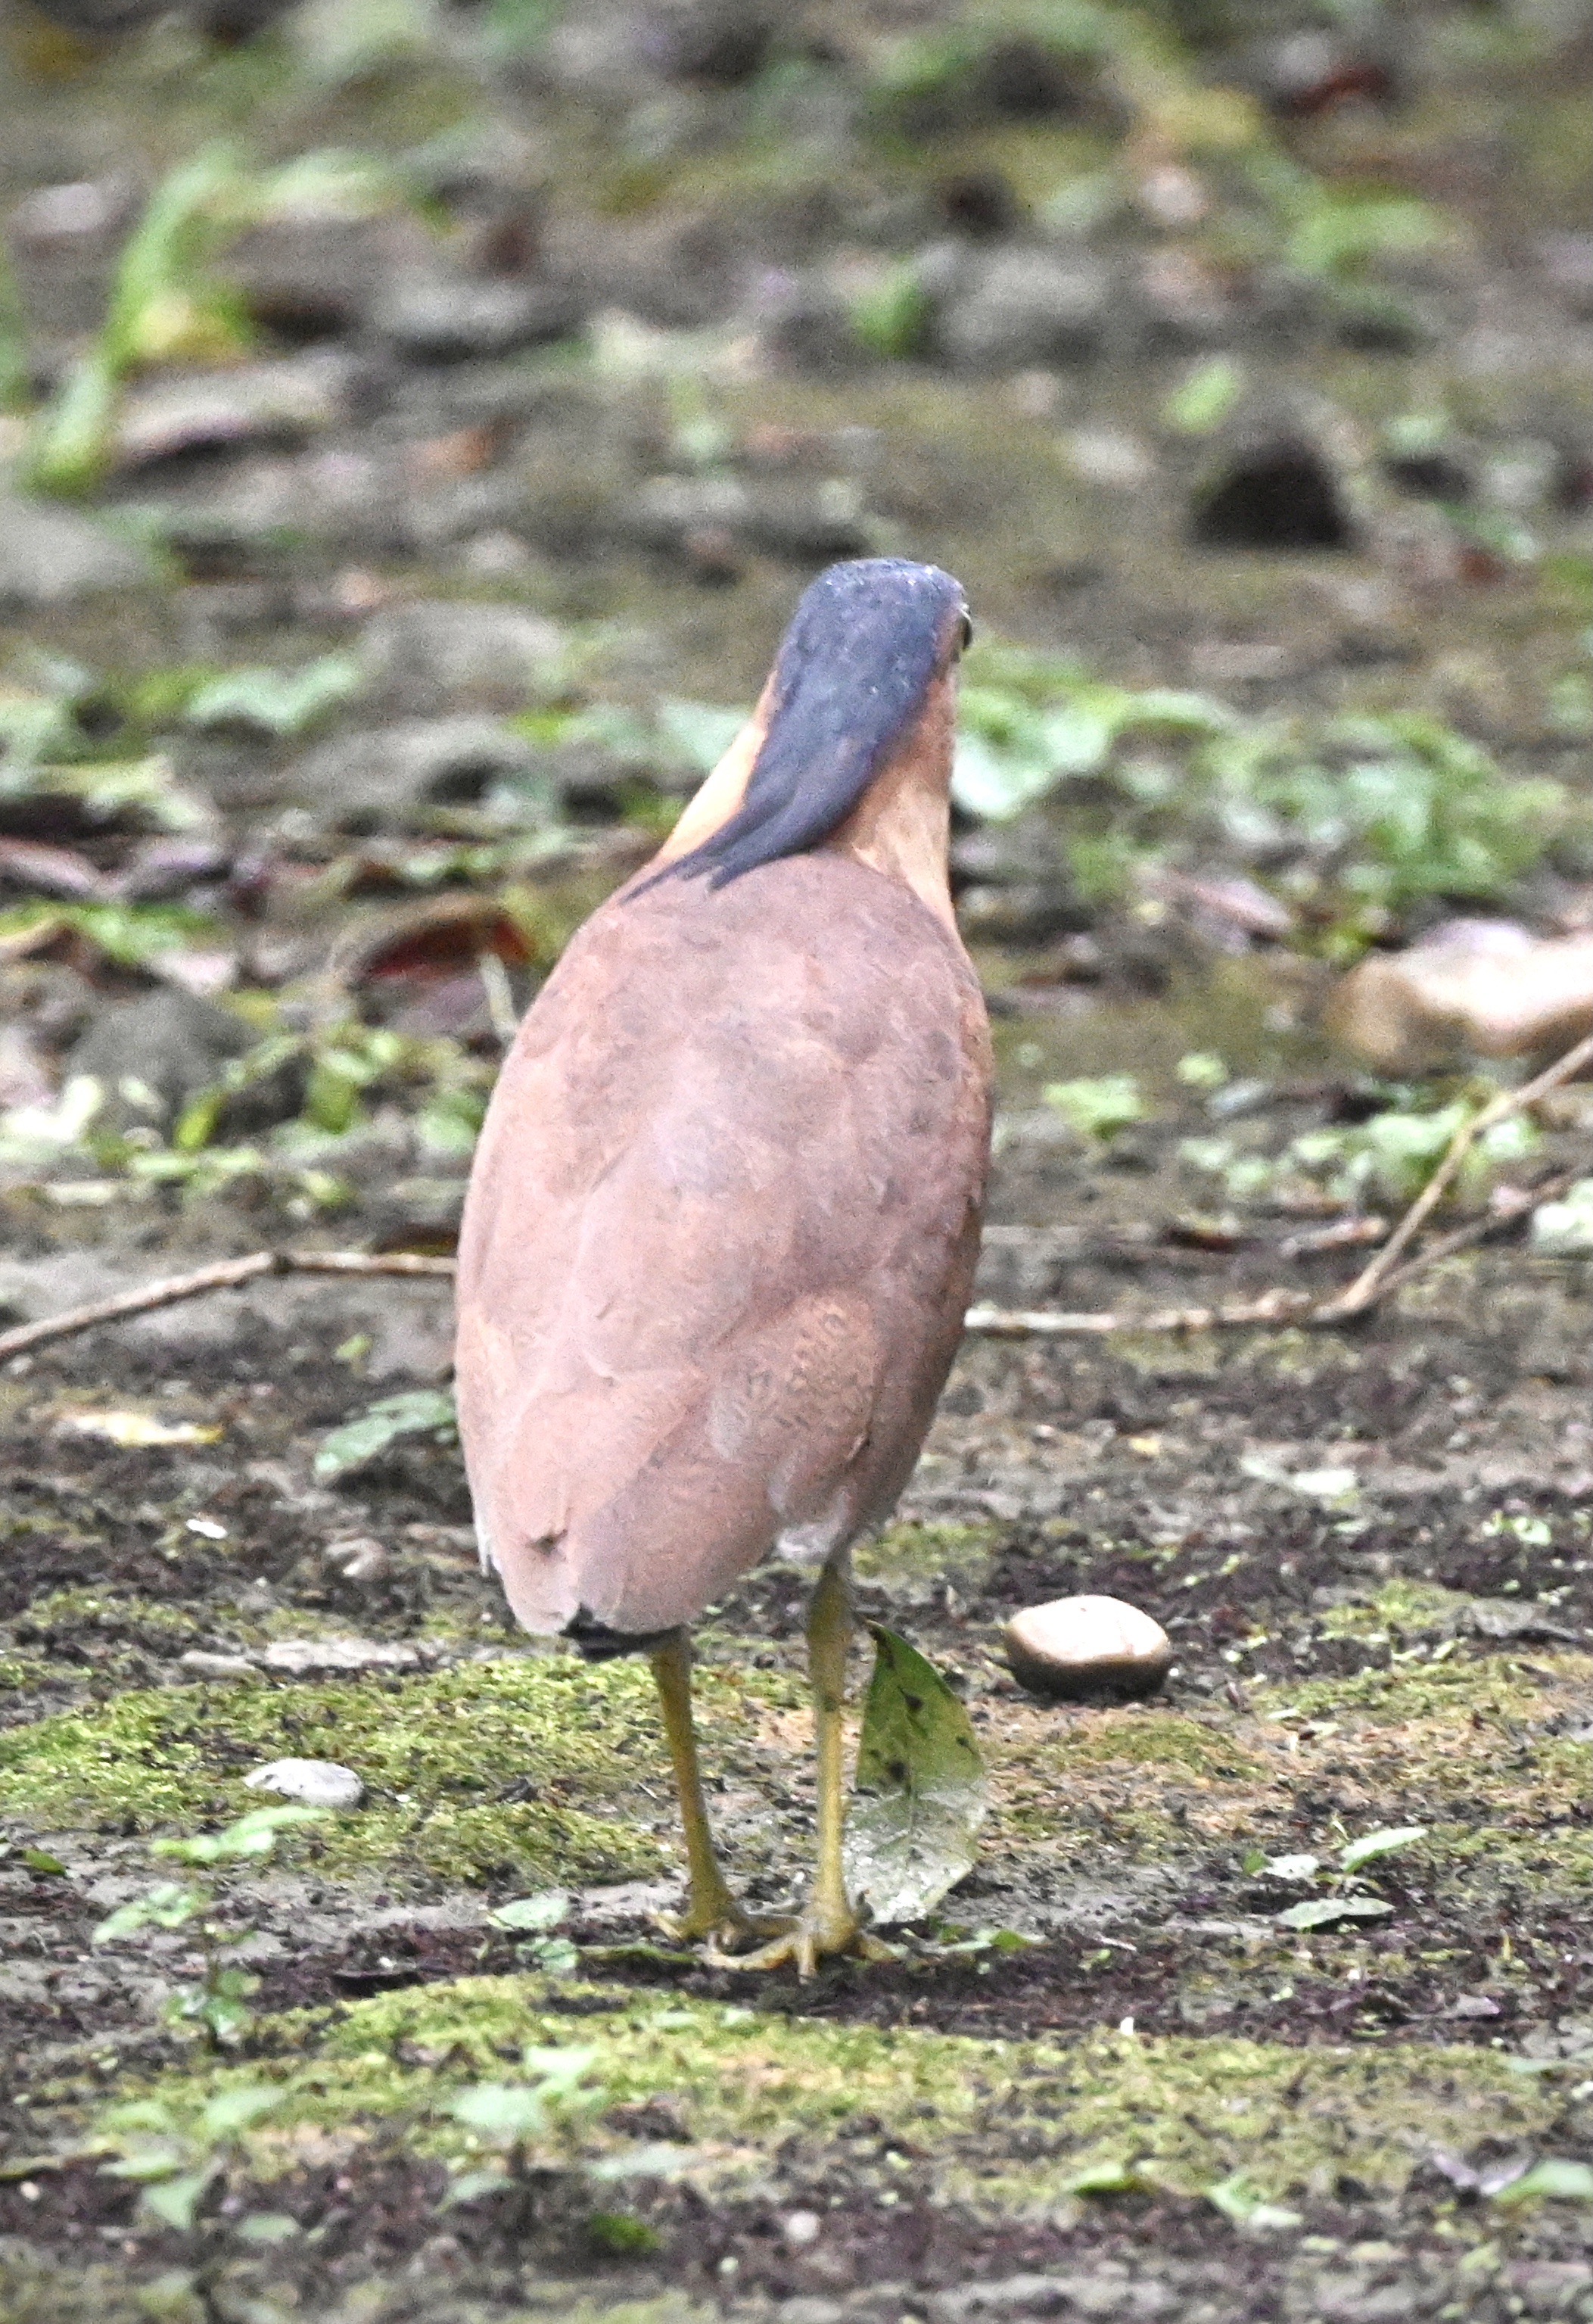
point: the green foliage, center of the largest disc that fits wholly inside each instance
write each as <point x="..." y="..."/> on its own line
<point x="535" y="1918"/>
<point x="282" y="704"/>
<point x="176" y="2151"/>
<point x="1345" y="1900"/>
<point x="891" y="317"/>
<point x="1099" y="1108"/>
<point x="1554" y="2179"/>
<point x="438" y="1752"/>
<point x="417" y="1412"/>
<point x="1351" y="818"/>
<point x="163" y="304"/>
<point x="217" y="2002"/>
<point x="921" y="1790"/>
<point x="14" y="370"/>
<point x="1206" y="397"/>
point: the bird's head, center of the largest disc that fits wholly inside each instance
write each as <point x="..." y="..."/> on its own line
<point x="863" y="683"/>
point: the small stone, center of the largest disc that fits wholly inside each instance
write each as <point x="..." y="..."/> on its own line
<point x="217" y="1666"/>
<point x="1077" y="1649"/>
<point x="444" y="318"/>
<point x="1029" y="307"/>
<point x="425" y="658"/>
<point x="57" y="557"/>
<point x="801" y="2229"/>
<point x="265" y="402"/>
<point x="1491" y="987"/>
<point x="363" y="1559"/>
<point x="318" y="1657"/>
<point x="383" y="778"/>
<point x="316" y="1783"/>
<point x="152" y="1056"/>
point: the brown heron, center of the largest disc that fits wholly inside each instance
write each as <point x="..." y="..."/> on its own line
<point x="725" y="1209"/>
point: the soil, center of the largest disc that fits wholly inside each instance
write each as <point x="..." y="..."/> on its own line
<point x="1107" y="2077"/>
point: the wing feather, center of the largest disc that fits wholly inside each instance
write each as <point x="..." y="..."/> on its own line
<point x="717" y="1243"/>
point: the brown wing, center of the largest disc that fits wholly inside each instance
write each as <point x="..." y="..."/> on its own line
<point x="719" y="1237"/>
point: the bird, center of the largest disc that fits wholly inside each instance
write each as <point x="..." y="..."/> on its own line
<point x="724" y="1211"/>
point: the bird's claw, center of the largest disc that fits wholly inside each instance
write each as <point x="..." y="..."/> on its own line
<point x="803" y="1942"/>
<point x="719" y="1925"/>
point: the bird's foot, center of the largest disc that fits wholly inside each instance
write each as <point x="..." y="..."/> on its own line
<point x="817" y="1932"/>
<point x="723" y="1924"/>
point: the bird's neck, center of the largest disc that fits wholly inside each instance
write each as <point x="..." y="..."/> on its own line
<point x="901" y="826"/>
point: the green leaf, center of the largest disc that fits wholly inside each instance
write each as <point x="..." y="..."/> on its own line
<point x="35" y="1859"/>
<point x="168" y="1906"/>
<point x="922" y="1791"/>
<point x="891" y="317"/>
<point x="1108" y="2177"/>
<point x="502" y="2112"/>
<point x="1383" y="1842"/>
<point x="544" y="1911"/>
<point x="1099" y="1108"/>
<point x="174" y="2201"/>
<point x="1246" y="2206"/>
<point x="1206" y="397"/>
<point x="255" y="1834"/>
<point x="1322" y="1912"/>
<point x="231" y="2111"/>
<point x="470" y="2186"/>
<point x="1554" y="2179"/>
<point x="267" y="2227"/>
<point x="358" y="1442"/>
<point x="281" y="703"/>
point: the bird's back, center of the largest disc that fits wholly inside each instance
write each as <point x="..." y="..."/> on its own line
<point x="720" y="1237"/>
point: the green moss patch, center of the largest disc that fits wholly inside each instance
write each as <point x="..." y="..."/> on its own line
<point x="1007" y="2124"/>
<point x="439" y="1754"/>
<point x="923" y="1553"/>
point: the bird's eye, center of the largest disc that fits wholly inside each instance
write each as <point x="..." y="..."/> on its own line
<point x="965" y="634"/>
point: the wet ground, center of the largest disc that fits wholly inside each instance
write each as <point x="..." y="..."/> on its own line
<point x="1110" y="2078"/>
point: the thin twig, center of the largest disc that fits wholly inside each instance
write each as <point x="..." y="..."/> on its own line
<point x="1277" y="1306"/>
<point x="1369" y="1284"/>
<point x="223" y="1275"/>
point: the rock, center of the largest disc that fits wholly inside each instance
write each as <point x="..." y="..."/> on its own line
<point x="1273" y="489"/>
<point x="1078" y="1648"/>
<point x="1487" y="986"/>
<point x="316" y="1783"/>
<point x="310" y="274"/>
<point x="424" y="657"/>
<point x="379" y="779"/>
<point x="1567" y="260"/>
<point x="63" y="241"/>
<point x="798" y="517"/>
<point x="1564" y="1229"/>
<point x="215" y="1666"/>
<point x="320" y="1658"/>
<point x="52" y="556"/>
<point x="442" y="316"/>
<point x="262" y="402"/>
<point x="24" y="1078"/>
<point x="363" y="1559"/>
<point x="1028" y="307"/>
<point x="153" y="1054"/>
<point x="1513" y="1618"/>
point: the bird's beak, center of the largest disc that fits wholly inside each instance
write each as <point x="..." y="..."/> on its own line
<point x="721" y="793"/>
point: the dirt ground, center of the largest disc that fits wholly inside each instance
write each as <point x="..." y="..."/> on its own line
<point x="672" y="305"/>
<point x="1411" y="1650"/>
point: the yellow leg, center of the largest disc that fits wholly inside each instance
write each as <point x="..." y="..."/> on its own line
<point x="711" y="1910"/>
<point x="826" y="1924"/>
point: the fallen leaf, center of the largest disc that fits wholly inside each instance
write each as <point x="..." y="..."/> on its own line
<point x="137" y="1429"/>
<point x="1322" y="1912"/>
<point x="362" y="1440"/>
<point x="922" y="1791"/>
